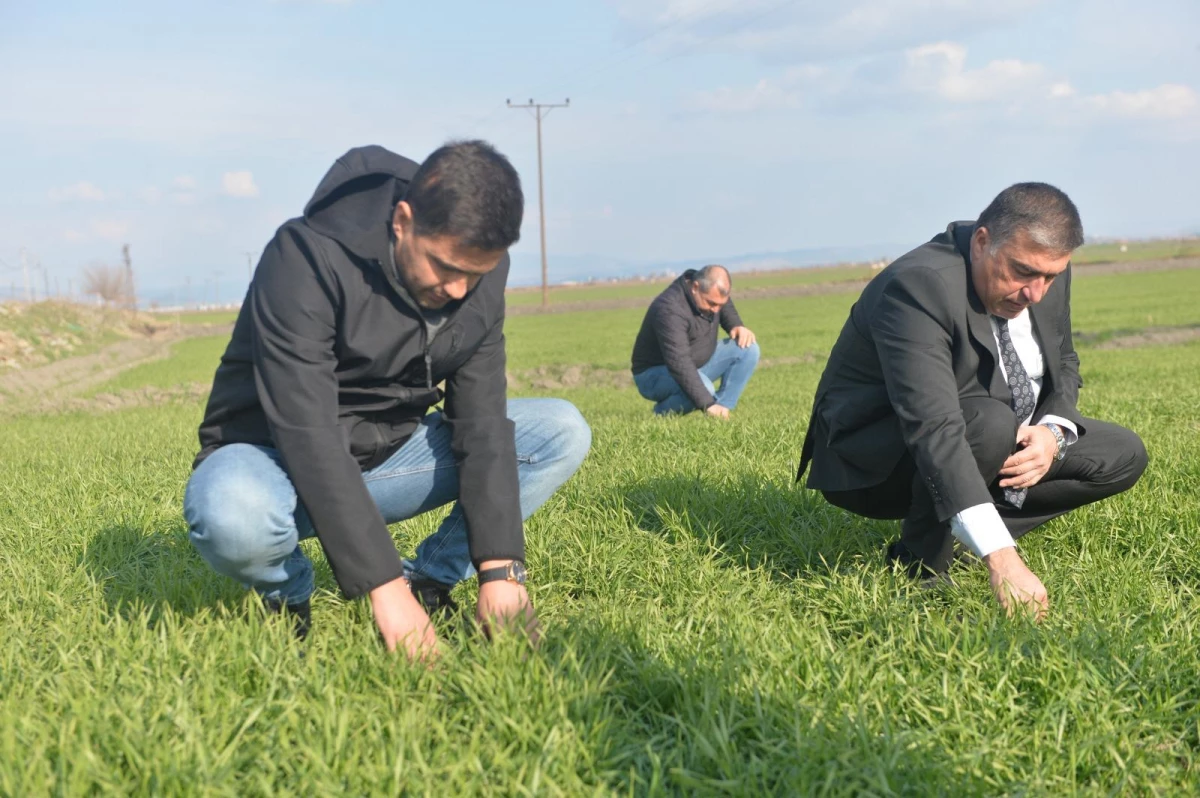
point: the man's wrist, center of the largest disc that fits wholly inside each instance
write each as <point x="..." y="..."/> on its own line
<point x="1060" y="439"/>
<point x="511" y="571"/>
<point x="1002" y="559"/>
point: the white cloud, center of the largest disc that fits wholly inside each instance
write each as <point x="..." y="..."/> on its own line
<point x="940" y="68"/>
<point x="239" y="184"/>
<point x="1168" y="101"/>
<point x="109" y="229"/>
<point x="783" y="32"/>
<point x="184" y="183"/>
<point x="1014" y="85"/>
<point x="82" y="191"/>
<point x="940" y="77"/>
<point x="150" y="194"/>
<point x="1062" y="89"/>
<point x="787" y="92"/>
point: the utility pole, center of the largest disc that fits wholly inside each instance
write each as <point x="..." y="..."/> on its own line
<point x="132" y="298"/>
<point x="540" y="111"/>
<point x="249" y="267"/>
<point x="25" y="270"/>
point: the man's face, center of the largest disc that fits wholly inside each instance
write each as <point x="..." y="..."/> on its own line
<point x="1016" y="276"/>
<point x="437" y="270"/>
<point x="710" y="302"/>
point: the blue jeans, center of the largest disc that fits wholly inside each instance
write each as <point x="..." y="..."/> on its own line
<point x="732" y="364"/>
<point x="246" y="522"/>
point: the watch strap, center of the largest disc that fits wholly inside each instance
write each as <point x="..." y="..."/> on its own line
<point x="504" y="573"/>
<point x="1060" y="440"/>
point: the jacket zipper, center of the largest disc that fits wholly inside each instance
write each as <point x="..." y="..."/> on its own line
<point x="428" y="357"/>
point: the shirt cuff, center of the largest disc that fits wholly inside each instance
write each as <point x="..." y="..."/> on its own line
<point x="981" y="529"/>
<point x="1068" y="427"/>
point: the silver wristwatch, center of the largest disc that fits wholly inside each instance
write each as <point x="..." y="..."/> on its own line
<point x="1059" y="439"/>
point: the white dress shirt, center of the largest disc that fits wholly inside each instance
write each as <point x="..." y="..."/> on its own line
<point x="980" y="528"/>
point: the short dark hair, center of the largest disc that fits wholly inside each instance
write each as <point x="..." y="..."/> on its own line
<point x="709" y="277"/>
<point x="468" y="190"/>
<point x="1044" y="212"/>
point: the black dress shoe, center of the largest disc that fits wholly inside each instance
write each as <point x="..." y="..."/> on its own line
<point x="434" y="596"/>
<point x="897" y="552"/>
<point x="301" y="615"/>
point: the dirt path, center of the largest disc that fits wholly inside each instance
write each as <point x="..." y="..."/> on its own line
<point x="1152" y="336"/>
<point x="48" y="386"/>
<point x="843" y="286"/>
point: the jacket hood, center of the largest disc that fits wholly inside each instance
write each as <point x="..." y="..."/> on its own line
<point x="353" y="203"/>
<point x="685" y="280"/>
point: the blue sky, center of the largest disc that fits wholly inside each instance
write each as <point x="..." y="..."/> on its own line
<point x="698" y="129"/>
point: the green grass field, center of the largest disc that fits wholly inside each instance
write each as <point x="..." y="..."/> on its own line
<point x="710" y="627"/>
<point x="1157" y="249"/>
<point x="605" y="292"/>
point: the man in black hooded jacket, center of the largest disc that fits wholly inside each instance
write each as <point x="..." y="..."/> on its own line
<point x="390" y="284"/>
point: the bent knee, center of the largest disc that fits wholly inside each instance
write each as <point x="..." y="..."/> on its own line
<point x="572" y="434"/>
<point x="1130" y="460"/>
<point x="991" y="432"/>
<point x="235" y="523"/>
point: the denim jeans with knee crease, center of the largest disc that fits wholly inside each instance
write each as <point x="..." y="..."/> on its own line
<point x="729" y="363"/>
<point x="245" y="520"/>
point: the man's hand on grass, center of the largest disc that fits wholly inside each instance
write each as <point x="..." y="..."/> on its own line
<point x="717" y="411"/>
<point x="1026" y="467"/>
<point x="742" y="336"/>
<point x="506" y="605"/>
<point x="1014" y="585"/>
<point x="403" y="622"/>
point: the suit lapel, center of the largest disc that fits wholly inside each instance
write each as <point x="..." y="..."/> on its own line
<point x="981" y="330"/>
<point x="979" y="325"/>
<point x="1043" y="325"/>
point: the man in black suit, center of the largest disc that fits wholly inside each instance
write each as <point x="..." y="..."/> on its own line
<point x="949" y="399"/>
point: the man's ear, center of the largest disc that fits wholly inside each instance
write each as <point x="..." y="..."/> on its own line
<point x="402" y="220"/>
<point x="981" y="237"/>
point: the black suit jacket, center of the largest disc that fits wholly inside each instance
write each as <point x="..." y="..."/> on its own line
<point x="917" y="343"/>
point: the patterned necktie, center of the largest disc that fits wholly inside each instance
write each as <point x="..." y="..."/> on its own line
<point x="1023" y="400"/>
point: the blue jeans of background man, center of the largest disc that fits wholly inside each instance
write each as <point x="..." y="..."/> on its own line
<point x="244" y="518"/>
<point x="729" y="363"/>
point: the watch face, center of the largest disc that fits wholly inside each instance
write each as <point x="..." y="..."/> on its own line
<point x="516" y="572"/>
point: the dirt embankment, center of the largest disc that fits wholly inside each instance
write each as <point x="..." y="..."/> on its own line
<point x="38" y="365"/>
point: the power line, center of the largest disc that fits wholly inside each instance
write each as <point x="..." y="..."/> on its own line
<point x="586" y="72"/>
<point x="538" y="109"/>
<point x="591" y="69"/>
<point x="715" y="37"/>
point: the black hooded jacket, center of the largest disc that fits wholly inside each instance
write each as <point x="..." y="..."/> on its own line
<point x="332" y="364"/>
<point x="677" y="334"/>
